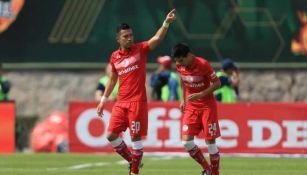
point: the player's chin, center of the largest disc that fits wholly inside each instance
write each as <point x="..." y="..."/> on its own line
<point x="129" y="45"/>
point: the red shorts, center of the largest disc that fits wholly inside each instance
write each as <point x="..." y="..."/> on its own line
<point x="197" y="120"/>
<point x="132" y="115"/>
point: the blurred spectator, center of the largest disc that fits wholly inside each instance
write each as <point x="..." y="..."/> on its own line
<point x="51" y="135"/>
<point x="230" y="79"/>
<point x="164" y="82"/>
<point x="4" y="86"/>
<point x="102" y="85"/>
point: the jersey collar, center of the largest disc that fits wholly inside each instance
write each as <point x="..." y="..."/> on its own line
<point x="193" y="63"/>
<point x="123" y="52"/>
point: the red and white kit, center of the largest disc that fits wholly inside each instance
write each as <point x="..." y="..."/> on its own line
<point x="200" y="114"/>
<point x="130" y="109"/>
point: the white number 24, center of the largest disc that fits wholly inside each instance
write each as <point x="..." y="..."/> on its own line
<point x="212" y="129"/>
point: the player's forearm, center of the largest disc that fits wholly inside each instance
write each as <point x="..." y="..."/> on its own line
<point x="158" y="37"/>
<point x="109" y="88"/>
<point x="211" y="88"/>
<point x="98" y="95"/>
<point x="182" y="92"/>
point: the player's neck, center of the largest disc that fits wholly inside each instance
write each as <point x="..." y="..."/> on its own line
<point x="126" y="49"/>
<point x="191" y="59"/>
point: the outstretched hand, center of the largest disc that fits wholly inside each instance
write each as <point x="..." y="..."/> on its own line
<point x="194" y="96"/>
<point x="100" y="109"/>
<point x="171" y="16"/>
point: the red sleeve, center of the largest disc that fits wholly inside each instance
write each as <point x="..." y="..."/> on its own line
<point x="210" y="72"/>
<point x="113" y="68"/>
<point x="145" y="47"/>
<point x="112" y="64"/>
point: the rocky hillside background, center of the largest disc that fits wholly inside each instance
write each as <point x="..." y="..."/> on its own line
<point x="39" y="93"/>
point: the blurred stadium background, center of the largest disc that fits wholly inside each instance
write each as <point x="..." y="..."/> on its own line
<point x="54" y="53"/>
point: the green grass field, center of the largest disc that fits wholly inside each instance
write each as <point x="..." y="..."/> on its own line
<point x="98" y="164"/>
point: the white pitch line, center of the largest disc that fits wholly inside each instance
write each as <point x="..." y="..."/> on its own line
<point x="121" y="162"/>
<point x="81" y="166"/>
<point x="162" y="158"/>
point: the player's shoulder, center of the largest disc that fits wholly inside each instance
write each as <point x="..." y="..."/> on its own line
<point x="115" y="55"/>
<point x="116" y="52"/>
<point x="202" y="60"/>
<point x="141" y="45"/>
<point x="179" y="67"/>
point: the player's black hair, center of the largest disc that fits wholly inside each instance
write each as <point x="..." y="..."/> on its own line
<point x="180" y="50"/>
<point x="122" y="26"/>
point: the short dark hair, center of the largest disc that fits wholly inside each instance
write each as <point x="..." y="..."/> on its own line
<point x="180" y="50"/>
<point x="122" y="26"/>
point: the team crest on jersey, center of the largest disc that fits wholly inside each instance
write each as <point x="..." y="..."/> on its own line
<point x="182" y="68"/>
<point x="127" y="61"/>
<point x="185" y="128"/>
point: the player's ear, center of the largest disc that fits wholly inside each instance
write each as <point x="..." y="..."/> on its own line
<point x="117" y="37"/>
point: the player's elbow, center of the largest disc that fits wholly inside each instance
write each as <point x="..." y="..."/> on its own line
<point x="217" y="84"/>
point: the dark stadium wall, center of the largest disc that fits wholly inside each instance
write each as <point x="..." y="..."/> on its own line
<point x="84" y="31"/>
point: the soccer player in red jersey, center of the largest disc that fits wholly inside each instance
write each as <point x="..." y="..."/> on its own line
<point x="198" y="105"/>
<point x="130" y="111"/>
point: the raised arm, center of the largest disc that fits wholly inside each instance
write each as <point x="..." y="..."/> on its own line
<point x="159" y="36"/>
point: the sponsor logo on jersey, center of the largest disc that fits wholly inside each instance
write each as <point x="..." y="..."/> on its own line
<point x="196" y="84"/>
<point x="129" y="69"/>
<point x="191" y="79"/>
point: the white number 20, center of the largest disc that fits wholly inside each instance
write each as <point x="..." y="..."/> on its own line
<point x="135" y="127"/>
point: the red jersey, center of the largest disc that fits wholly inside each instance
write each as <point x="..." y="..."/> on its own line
<point x="197" y="77"/>
<point x="131" y="70"/>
